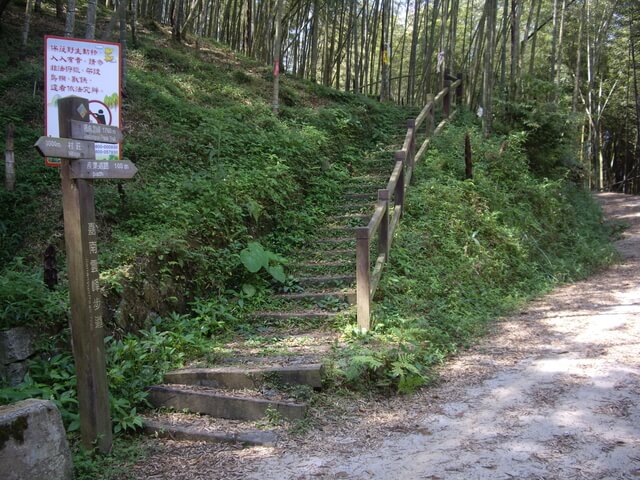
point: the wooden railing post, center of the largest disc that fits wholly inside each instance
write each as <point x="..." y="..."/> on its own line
<point x="363" y="284"/>
<point x="411" y="154"/>
<point x="399" y="192"/>
<point x="383" y="233"/>
<point x="459" y="90"/>
<point x="446" y="100"/>
<point x="430" y="120"/>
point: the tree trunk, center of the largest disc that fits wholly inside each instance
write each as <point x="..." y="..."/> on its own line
<point x="411" y="82"/>
<point x="487" y="87"/>
<point x="122" y="9"/>
<point x="71" y="19"/>
<point x="404" y="37"/>
<point x="385" y="51"/>
<point x="134" y="21"/>
<point x="515" y="50"/>
<point x="25" y="28"/>
<point x="534" y="40"/>
<point x="576" y="81"/>
<point x="90" y="32"/>
<point x="276" y="58"/>
<point x="314" y="41"/>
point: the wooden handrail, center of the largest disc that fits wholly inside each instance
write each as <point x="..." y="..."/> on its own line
<point x="385" y="218"/>
<point x="423" y="114"/>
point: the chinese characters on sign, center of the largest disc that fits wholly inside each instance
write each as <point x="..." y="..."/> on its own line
<point x="91" y="278"/>
<point x="86" y="69"/>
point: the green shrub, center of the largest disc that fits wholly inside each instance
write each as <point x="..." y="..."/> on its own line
<point x="26" y="301"/>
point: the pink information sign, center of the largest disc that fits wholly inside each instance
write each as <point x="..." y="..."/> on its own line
<point x="89" y="69"/>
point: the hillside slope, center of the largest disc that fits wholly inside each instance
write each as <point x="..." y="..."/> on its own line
<point x="216" y="168"/>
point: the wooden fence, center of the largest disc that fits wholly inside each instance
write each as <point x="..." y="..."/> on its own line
<point x="390" y="203"/>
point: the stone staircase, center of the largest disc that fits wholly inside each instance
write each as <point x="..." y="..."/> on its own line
<point x="226" y="402"/>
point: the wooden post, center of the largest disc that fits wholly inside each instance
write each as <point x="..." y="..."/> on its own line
<point x="399" y="192"/>
<point x="9" y="161"/>
<point x="459" y="90"/>
<point x="383" y="232"/>
<point x="87" y="329"/>
<point x="446" y="101"/>
<point x="468" y="161"/>
<point x="431" y="115"/>
<point x="363" y="286"/>
<point x="411" y="154"/>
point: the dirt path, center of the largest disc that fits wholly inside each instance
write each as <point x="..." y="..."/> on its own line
<point x="552" y="393"/>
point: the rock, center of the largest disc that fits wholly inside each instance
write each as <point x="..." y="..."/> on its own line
<point x="13" y="373"/>
<point x="16" y="344"/>
<point x="33" y="443"/>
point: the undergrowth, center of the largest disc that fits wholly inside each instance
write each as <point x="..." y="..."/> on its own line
<point x="468" y="251"/>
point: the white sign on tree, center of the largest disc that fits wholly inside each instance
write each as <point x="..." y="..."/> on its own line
<point x="88" y="69"/>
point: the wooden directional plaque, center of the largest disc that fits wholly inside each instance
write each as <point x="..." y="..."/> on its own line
<point x="65" y="148"/>
<point x="95" y="132"/>
<point x="89" y="169"/>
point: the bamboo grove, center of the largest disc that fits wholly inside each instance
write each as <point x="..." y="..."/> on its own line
<point x="581" y="55"/>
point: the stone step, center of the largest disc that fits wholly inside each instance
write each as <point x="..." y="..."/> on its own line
<point x="333" y="253"/>
<point x="342" y="229"/>
<point x="348" y="296"/>
<point x="326" y="279"/>
<point x="326" y="264"/>
<point x="238" y="378"/>
<point x="348" y="217"/>
<point x="228" y="404"/>
<point x="356" y="207"/>
<point x="295" y="315"/>
<point x="335" y="240"/>
<point x="370" y="196"/>
<point x="194" y="433"/>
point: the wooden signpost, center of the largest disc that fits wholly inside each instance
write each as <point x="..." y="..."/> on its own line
<point x="77" y="151"/>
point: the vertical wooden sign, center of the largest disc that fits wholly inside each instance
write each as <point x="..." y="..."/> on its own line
<point x="86" y="307"/>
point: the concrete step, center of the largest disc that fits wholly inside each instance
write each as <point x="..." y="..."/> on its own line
<point x="195" y="433"/>
<point x="348" y="296"/>
<point x="227" y="404"/>
<point x="238" y="378"/>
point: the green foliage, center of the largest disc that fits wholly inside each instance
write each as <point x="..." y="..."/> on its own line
<point x="133" y="363"/>
<point x="256" y="258"/>
<point x="26" y="301"/>
<point x="469" y="251"/>
<point x="91" y="465"/>
<point x="550" y="140"/>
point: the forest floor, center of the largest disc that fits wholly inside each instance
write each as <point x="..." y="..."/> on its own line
<point x="551" y="392"/>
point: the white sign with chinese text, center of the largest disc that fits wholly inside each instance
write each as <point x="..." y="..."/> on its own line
<point x="89" y="69"/>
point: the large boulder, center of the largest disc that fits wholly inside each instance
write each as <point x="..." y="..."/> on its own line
<point x="33" y="443"/>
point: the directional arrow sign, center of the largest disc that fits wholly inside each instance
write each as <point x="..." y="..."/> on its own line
<point x="95" y="132"/>
<point x="103" y="169"/>
<point x="65" y="148"/>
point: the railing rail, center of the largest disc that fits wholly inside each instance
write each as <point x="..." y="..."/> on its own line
<point x="390" y="204"/>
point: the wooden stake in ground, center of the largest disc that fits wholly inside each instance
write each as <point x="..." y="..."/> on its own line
<point x="9" y="161"/>
<point x="468" y="160"/>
